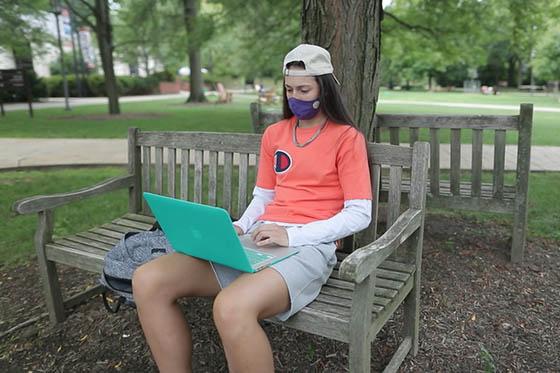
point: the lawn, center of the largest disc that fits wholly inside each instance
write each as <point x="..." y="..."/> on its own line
<point x="503" y="98"/>
<point x="91" y="121"/>
<point x="16" y="233"/>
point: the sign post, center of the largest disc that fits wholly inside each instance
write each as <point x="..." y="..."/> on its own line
<point x="13" y="80"/>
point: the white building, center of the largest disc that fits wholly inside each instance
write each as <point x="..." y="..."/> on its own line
<point x="45" y="55"/>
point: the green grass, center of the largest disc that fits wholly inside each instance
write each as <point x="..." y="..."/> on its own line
<point x="175" y="115"/>
<point x="171" y="115"/>
<point x="504" y="98"/>
<point x="16" y="232"/>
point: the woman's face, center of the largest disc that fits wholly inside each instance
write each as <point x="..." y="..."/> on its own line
<point x="303" y="88"/>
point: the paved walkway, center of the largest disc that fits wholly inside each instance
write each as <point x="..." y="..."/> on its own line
<point x="77" y="101"/>
<point x="39" y="152"/>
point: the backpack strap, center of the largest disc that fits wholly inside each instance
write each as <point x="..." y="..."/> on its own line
<point x="155" y="226"/>
<point x="108" y="307"/>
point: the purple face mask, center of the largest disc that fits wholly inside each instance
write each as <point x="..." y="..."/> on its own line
<point x="303" y="109"/>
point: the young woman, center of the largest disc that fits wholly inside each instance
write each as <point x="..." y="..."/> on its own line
<point x="313" y="188"/>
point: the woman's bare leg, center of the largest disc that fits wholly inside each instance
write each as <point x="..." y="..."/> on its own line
<point x="157" y="285"/>
<point x="238" y="308"/>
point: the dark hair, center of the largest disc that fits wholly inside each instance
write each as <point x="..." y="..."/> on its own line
<point x="331" y="101"/>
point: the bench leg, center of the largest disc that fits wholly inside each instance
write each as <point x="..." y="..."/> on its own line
<point x="47" y="269"/>
<point x="412" y="316"/>
<point x="411" y="304"/>
<point x="360" y="343"/>
<point x="519" y="229"/>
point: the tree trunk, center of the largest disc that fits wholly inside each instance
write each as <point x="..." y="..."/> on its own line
<point x="512" y="72"/>
<point x="351" y="32"/>
<point x="195" y="79"/>
<point x="105" y="40"/>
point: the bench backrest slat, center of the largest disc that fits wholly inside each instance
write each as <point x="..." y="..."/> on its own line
<point x="499" y="163"/>
<point x="198" y="174"/>
<point x="159" y="170"/>
<point x="455" y="173"/>
<point x="228" y="169"/>
<point x="146" y="163"/>
<point x="389" y="155"/>
<point x="185" y="162"/>
<point x="394" y="202"/>
<point x="212" y="177"/>
<point x="413" y="135"/>
<point x="208" y="141"/>
<point x="171" y="165"/>
<point x="434" y="161"/>
<point x="489" y="122"/>
<point x="476" y="179"/>
<point x="243" y="179"/>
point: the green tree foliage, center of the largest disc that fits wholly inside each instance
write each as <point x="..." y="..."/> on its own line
<point x="255" y="35"/>
<point x="547" y="55"/>
<point x="147" y="28"/>
<point x="425" y="38"/>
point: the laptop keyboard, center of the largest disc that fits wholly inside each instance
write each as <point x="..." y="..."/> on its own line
<point x="256" y="257"/>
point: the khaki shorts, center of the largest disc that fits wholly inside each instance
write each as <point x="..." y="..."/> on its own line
<point x="304" y="273"/>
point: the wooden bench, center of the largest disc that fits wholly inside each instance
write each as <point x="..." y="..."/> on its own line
<point x="367" y="285"/>
<point x="460" y="189"/>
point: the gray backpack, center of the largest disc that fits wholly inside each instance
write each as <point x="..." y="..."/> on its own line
<point x="133" y="250"/>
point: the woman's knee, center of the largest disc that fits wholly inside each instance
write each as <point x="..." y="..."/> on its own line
<point x="231" y="314"/>
<point x="149" y="281"/>
<point x="142" y="280"/>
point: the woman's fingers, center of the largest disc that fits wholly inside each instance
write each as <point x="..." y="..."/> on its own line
<point x="270" y="234"/>
<point x="262" y="229"/>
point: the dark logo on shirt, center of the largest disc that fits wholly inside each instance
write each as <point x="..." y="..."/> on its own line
<point x="282" y="161"/>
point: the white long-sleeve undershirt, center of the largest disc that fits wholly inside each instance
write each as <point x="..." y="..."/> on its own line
<point x="355" y="216"/>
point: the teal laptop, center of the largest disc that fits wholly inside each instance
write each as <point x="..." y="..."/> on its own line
<point x="206" y="232"/>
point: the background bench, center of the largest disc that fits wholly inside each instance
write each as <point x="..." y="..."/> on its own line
<point x="459" y="189"/>
<point x="368" y="283"/>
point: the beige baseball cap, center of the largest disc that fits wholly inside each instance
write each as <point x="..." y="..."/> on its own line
<point x="317" y="61"/>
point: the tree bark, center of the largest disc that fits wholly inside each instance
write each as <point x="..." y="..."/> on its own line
<point x="105" y="40"/>
<point x="193" y="49"/>
<point x="513" y="72"/>
<point x="351" y="31"/>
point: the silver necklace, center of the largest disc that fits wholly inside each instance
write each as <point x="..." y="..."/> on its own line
<point x="294" y="136"/>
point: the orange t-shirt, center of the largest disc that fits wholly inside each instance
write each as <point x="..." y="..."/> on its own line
<point x="312" y="183"/>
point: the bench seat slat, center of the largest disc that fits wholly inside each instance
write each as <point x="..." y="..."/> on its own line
<point x="97" y="237"/>
<point x="118" y="228"/>
<point x="132" y="224"/>
<point x="140" y="218"/>
<point x="92" y="262"/>
<point x="379" y="281"/>
<point x="89" y="242"/>
<point x="486" y="190"/>
<point x="107" y="233"/>
<point x="86" y="248"/>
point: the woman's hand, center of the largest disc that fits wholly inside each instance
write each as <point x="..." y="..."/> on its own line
<point x="269" y="234"/>
<point x="237" y="230"/>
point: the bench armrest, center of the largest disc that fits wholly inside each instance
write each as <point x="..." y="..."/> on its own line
<point x="42" y="203"/>
<point x="363" y="261"/>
